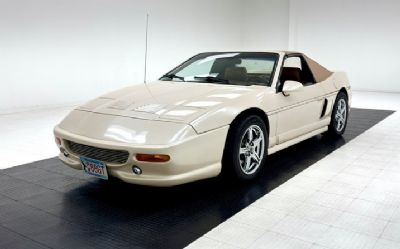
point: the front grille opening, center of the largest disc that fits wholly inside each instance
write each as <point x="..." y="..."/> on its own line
<point x="105" y="155"/>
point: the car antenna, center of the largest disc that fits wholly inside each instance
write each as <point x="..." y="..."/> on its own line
<point x="145" y="50"/>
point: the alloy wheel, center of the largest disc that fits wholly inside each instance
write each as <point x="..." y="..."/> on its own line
<point x="251" y="149"/>
<point x="340" y="115"/>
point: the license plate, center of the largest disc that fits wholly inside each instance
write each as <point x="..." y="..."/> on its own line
<point x="94" y="167"/>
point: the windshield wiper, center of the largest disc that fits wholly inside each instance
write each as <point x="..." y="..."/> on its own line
<point x="211" y="79"/>
<point x="171" y="76"/>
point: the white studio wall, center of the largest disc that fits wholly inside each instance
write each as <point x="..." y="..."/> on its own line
<point x="180" y="29"/>
<point x="55" y="53"/>
<point x="357" y="36"/>
<point x="62" y="52"/>
<point x="265" y="25"/>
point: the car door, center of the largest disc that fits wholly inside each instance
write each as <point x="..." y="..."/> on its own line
<point x="300" y="111"/>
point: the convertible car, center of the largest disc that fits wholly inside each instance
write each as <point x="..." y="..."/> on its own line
<point x="220" y="112"/>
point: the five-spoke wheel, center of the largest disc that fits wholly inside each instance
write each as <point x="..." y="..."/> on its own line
<point x="251" y="149"/>
<point x="246" y="147"/>
<point x="339" y="115"/>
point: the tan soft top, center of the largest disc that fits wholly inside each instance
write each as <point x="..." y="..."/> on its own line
<point x="319" y="72"/>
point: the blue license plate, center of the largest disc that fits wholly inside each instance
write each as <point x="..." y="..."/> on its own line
<point x="94" y="167"/>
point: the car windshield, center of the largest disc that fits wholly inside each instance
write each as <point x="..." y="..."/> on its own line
<point x="236" y="68"/>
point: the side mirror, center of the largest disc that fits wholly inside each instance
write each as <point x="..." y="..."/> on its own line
<point x="291" y="86"/>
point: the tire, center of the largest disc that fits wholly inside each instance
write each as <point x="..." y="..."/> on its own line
<point x="246" y="148"/>
<point x="339" y="116"/>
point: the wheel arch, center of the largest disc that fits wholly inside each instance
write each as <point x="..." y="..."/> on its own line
<point x="236" y="121"/>
<point x="243" y="114"/>
<point x="343" y="90"/>
<point x="251" y="111"/>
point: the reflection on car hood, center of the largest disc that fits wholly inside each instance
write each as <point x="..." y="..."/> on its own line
<point x="167" y="100"/>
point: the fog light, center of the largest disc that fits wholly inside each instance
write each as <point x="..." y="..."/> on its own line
<point x="155" y="158"/>
<point x="65" y="153"/>
<point x="136" y="170"/>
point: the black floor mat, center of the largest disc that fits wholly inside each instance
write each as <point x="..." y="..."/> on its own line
<point x="46" y="204"/>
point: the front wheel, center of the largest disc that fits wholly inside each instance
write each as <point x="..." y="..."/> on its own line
<point x="246" y="148"/>
<point x="339" y="115"/>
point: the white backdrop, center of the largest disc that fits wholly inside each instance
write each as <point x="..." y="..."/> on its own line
<point x="361" y="37"/>
<point x="265" y="25"/>
<point x="59" y="52"/>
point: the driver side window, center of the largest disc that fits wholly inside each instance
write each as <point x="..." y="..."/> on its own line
<point x="295" y="69"/>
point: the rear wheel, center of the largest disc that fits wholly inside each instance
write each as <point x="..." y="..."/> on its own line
<point x="246" y="148"/>
<point x="339" y="115"/>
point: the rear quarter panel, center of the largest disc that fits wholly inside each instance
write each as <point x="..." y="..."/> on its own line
<point x="332" y="85"/>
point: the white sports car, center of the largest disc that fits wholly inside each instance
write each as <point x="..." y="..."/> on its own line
<point x="216" y="112"/>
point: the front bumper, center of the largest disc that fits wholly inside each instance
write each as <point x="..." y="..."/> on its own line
<point x="194" y="158"/>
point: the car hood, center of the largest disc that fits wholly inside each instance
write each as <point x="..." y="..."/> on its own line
<point x="180" y="102"/>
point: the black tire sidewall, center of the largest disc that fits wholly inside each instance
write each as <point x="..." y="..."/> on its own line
<point x="332" y="126"/>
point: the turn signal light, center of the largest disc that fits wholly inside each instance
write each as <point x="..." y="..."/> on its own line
<point x="155" y="158"/>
